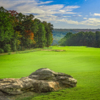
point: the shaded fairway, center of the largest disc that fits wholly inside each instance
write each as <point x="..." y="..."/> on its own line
<point x="83" y="63"/>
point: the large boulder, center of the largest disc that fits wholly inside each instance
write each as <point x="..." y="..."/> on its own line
<point x="42" y="80"/>
<point x="43" y="74"/>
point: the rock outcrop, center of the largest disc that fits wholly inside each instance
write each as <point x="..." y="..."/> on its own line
<point x="42" y="80"/>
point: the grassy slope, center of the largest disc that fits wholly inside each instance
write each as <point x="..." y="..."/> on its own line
<point x="81" y="62"/>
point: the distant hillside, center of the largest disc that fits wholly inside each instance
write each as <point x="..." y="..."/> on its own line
<point x="60" y="33"/>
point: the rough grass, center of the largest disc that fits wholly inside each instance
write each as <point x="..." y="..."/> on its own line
<point x="83" y="63"/>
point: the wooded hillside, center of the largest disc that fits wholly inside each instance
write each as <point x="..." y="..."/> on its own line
<point x="19" y="31"/>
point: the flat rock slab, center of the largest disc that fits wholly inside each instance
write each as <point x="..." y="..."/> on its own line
<point x="42" y="80"/>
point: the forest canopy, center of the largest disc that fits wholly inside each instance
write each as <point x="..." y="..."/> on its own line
<point x="91" y="39"/>
<point x="19" y="31"/>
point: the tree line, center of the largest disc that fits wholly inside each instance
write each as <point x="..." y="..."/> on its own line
<point x="90" y="39"/>
<point x="19" y="31"/>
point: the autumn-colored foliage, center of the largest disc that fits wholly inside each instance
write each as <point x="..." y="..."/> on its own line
<point x="13" y="12"/>
<point x="29" y="34"/>
<point x="23" y="31"/>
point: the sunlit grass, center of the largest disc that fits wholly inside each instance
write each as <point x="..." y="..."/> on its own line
<point x="83" y="63"/>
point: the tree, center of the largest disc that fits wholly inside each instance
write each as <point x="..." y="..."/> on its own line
<point x="82" y="39"/>
<point x="41" y="36"/>
<point x="97" y="44"/>
<point x="6" y="28"/>
<point x="63" y="41"/>
<point x="48" y="28"/>
<point x="35" y="29"/>
<point x="20" y="31"/>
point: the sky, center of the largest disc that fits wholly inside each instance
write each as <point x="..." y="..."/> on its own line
<point x="64" y="14"/>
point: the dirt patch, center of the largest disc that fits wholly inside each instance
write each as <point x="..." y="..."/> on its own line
<point x="52" y="50"/>
<point x="59" y="50"/>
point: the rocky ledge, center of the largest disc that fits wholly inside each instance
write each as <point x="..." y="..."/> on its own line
<point x="42" y="80"/>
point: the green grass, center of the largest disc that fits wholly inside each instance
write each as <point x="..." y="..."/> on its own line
<point x="83" y="63"/>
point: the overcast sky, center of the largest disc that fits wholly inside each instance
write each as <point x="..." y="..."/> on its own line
<point x="61" y="13"/>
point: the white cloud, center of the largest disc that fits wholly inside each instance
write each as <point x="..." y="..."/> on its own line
<point x="68" y="21"/>
<point x="96" y="14"/>
<point x="84" y="18"/>
<point x="77" y="15"/>
<point x="56" y="13"/>
<point x="49" y="12"/>
<point x="66" y="16"/>
<point x="46" y="2"/>
<point x="42" y="11"/>
<point x="89" y="21"/>
<point x="70" y="8"/>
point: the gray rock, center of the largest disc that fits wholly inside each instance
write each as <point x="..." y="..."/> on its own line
<point x="43" y="74"/>
<point x="42" y="80"/>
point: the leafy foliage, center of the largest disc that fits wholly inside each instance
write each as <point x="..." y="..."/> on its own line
<point x="41" y="36"/>
<point x="1" y="50"/>
<point x="22" y="31"/>
<point x="6" y="28"/>
<point x="7" y="48"/>
<point x="81" y="39"/>
<point x="58" y="34"/>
